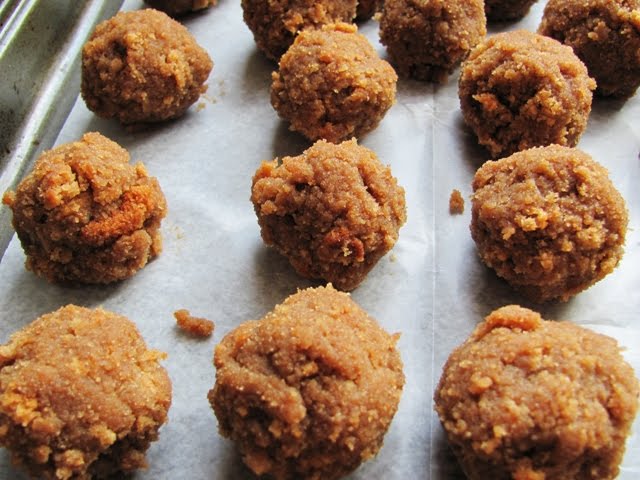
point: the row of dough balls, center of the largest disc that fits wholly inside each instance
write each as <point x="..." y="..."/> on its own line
<point x="310" y="390"/>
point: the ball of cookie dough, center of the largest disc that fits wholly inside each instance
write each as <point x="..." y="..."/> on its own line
<point x="84" y="214"/>
<point x="142" y="67"/>
<point x="179" y="7"/>
<point x="81" y="395"/>
<point x="276" y="23"/>
<point x="548" y="220"/>
<point x="426" y="40"/>
<point x="520" y="90"/>
<point x="331" y="84"/>
<point x="333" y="211"/>
<point x="501" y="10"/>
<point x="526" y="398"/>
<point x="605" y="34"/>
<point x="310" y="390"/>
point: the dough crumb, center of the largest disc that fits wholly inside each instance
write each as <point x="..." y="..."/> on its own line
<point x="456" y="202"/>
<point x="199" y="327"/>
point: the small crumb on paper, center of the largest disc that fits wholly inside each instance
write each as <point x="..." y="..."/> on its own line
<point x="456" y="203"/>
<point x="200" y="327"/>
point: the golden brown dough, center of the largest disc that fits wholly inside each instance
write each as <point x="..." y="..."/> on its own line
<point x="81" y="396"/>
<point x="333" y="211"/>
<point x="141" y="67"/>
<point x="332" y="84"/>
<point x="310" y="390"/>
<point x="524" y="398"/>
<point x="548" y="220"/>
<point x="180" y="7"/>
<point x="84" y="214"/>
<point x="199" y="327"/>
<point x="501" y="10"/>
<point x="605" y="34"/>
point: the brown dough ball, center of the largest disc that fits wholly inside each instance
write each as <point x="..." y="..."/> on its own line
<point x="142" y="67"/>
<point x="333" y="211"/>
<point x="84" y="214"/>
<point x="179" y="7"/>
<point x="605" y="34"/>
<point x="332" y="84"/>
<point x="520" y="90"/>
<point x="310" y="390"/>
<point x="525" y="398"/>
<point x="367" y="8"/>
<point x="276" y="23"/>
<point x="426" y="40"/>
<point x="548" y="220"/>
<point x="81" y="396"/>
<point x="500" y="10"/>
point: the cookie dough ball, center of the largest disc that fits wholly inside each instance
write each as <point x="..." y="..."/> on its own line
<point x="501" y="10"/>
<point x="331" y="84"/>
<point x="276" y="23"/>
<point x="179" y="7"/>
<point x="367" y="8"/>
<point x="333" y="211"/>
<point x="142" y="67"/>
<point x="520" y="90"/>
<point x="548" y="220"/>
<point x="526" y="398"/>
<point x="81" y="396"/>
<point x="310" y="390"/>
<point x="84" y="214"/>
<point x="426" y="40"/>
<point x="605" y="34"/>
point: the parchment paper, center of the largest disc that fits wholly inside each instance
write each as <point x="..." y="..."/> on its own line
<point x="431" y="287"/>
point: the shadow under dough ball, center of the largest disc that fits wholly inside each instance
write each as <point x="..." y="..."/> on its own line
<point x="81" y="395"/>
<point x="308" y="391"/>
<point x="527" y="398"/>
<point x="333" y="211"/>
<point x="548" y="220"/>
<point x="85" y="215"/>
<point x="142" y="67"/>
<point x="331" y="84"/>
<point x="520" y="90"/>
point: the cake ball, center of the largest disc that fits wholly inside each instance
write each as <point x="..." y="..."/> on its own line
<point x="605" y="34"/>
<point x="367" y="8"/>
<point x="81" y="395"/>
<point x="142" y="67"/>
<point x="308" y="391"/>
<point x="527" y="398"/>
<point x="520" y="90"/>
<point x="333" y="211"/>
<point x="426" y="40"/>
<point x="548" y="220"/>
<point x="276" y="23"/>
<point x="180" y="7"/>
<point x="331" y="84"/>
<point x="84" y="214"/>
<point x="501" y="10"/>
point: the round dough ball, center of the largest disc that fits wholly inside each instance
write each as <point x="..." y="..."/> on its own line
<point x="426" y="40"/>
<point x="84" y="214"/>
<point x="526" y="398"/>
<point x="332" y="85"/>
<point x="520" y="90"/>
<point x="142" y="67"/>
<point x="180" y="7"/>
<point x="81" y="396"/>
<point x="501" y="10"/>
<point x="548" y="220"/>
<point x="333" y="211"/>
<point x="310" y="390"/>
<point x="276" y="23"/>
<point x="605" y="34"/>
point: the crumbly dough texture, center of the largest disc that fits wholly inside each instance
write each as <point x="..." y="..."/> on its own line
<point x="276" y="23"/>
<point x="333" y="211"/>
<point x="529" y="399"/>
<point x="84" y="214"/>
<point x="426" y="40"/>
<point x="310" y="390"/>
<point x="331" y="84"/>
<point x="180" y="7"/>
<point x="501" y="10"/>
<point x="81" y="396"/>
<point x="548" y="220"/>
<point x="456" y="202"/>
<point x="142" y="67"/>
<point x="520" y="90"/>
<point x="605" y="34"/>
<point x="199" y="327"/>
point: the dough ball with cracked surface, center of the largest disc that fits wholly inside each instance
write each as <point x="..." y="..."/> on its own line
<point x="333" y="211"/>
<point x="310" y="390"/>
<point x="527" y="398"/>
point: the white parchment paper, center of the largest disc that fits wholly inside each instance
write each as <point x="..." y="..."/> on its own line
<point x="431" y="287"/>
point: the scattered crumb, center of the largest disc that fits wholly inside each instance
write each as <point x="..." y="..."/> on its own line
<point x="393" y="257"/>
<point x="200" y="327"/>
<point x="200" y="106"/>
<point x="456" y="203"/>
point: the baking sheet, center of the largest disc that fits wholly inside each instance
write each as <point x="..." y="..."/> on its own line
<point x="431" y="287"/>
